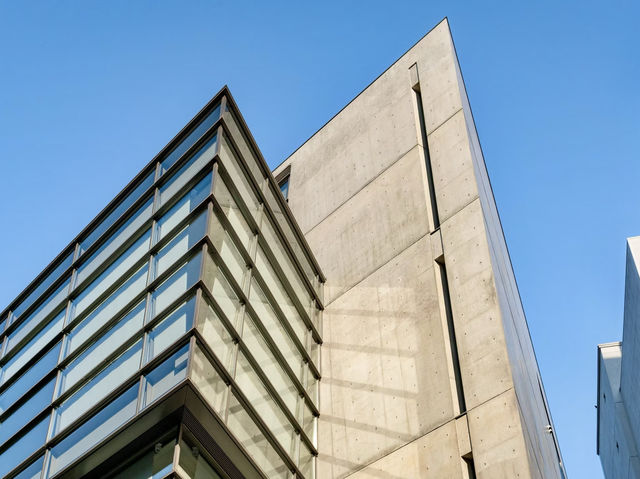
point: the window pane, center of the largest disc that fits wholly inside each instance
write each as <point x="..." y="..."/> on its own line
<point x="33" y="347"/>
<point x="44" y="284"/>
<point x="307" y="462"/>
<point x="106" y="310"/>
<point x="166" y="375"/>
<point x="117" y="239"/>
<point x="270" y="365"/>
<point x="36" y="317"/>
<point x="207" y="380"/>
<point x="188" y="171"/>
<point x="238" y="177"/>
<point x="25" y="446"/>
<point x="176" y="284"/>
<point x="190" y="139"/>
<point x="284" y="188"/>
<point x="117" y="212"/>
<point x="227" y="249"/>
<point x="221" y="290"/>
<point x="184" y="206"/>
<point x="180" y="244"/>
<point x="33" y="471"/>
<point x="112" y="274"/>
<point x="98" y="351"/>
<point x="231" y="210"/>
<point x="215" y="335"/>
<point x="154" y="464"/>
<point x="119" y="370"/>
<point x="194" y="464"/>
<point x="276" y="330"/>
<point x="250" y="436"/>
<point x="268" y="410"/>
<point x="309" y="424"/>
<point x="171" y="328"/>
<point x="30" y="377"/>
<point x="27" y="411"/>
<point x="94" y="430"/>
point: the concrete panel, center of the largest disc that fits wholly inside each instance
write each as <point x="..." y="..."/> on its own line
<point x="383" y="219"/>
<point x="483" y="356"/>
<point x="384" y="368"/>
<point x="452" y="166"/>
<point x="433" y="456"/>
<point x="499" y="449"/>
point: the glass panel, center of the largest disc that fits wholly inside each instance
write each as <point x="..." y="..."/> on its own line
<point x="281" y="296"/>
<point x="94" y="430"/>
<point x="32" y="348"/>
<point x="188" y="171"/>
<point x="207" y="380"/>
<point x="257" y="395"/>
<point x="124" y="329"/>
<point x="24" y="447"/>
<point x="284" y="188"/>
<point x="227" y="250"/>
<point x="33" y="471"/>
<point x="307" y="462"/>
<point x="117" y="239"/>
<point x="231" y="210"/>
<point x="215" y="334"/>
<point x="124" y="204"/>
<point x="184" y="206"/>
<point x="190" y="139"/>
<point x="153" y="464"/>
<point x="114" y="374"/>
<point x="36" y="317"/>
<point x="312" y="386"/>
<point x="257" y="446"/>
<point x="27" y="411"/>
<point x="30" y="377"/>
<point x="245" y="150"/>
<point x="221" y="290"/>
<point x="165" y="333"/>
<point x="107" y="310"/>
<point x="238" y="177"/>
<point x="194" y="464"/>
<point x="165" y="376"/>
<point x="44" y="284"/>
<point x="180" y="244"/>
<point x="176" y="284"/>
<point x="113" y="273"/>
<point x="291" y="273"/>
<point x="309" y="424"/>
<point x="270" y="365"/>
<point x="276" y="330"/>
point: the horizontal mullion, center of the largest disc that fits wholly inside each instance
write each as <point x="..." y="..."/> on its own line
<point x="24" y="429"/>
<point x="32" y="388"/>
<point x="26" y="463"/>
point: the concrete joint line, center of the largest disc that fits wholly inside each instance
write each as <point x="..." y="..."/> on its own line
<point x="449" y="118"/>
<point x="463" y="207"/>
<point x="326" y="305"/>
<point x="364" y="186"/>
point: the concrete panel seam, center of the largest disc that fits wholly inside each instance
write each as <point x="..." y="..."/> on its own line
<point x="449" y="118"/>
<point x="400" y="157"/>
<point x="374" y="270"/>
<point x="369" y="464"/>
<point x="462" y="208"/>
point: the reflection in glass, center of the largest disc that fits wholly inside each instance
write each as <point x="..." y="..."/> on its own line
<point x="180" y="244"/>
<point x="184" y="206"/>
<point x="215" y="334"/>
<point x="114" y="374"/>
<point x="25" y="446"/>
<point x="27" y="411"/>
<point x="32" y="471"/>
<point x="30" y="377"/>
<point x="124" y="329"/>
<point x="207" y="380"/>
<point x="167" y="331"/>
<point x="107" y="420"/>
<point x="231" y="210"/>
<point x="32" y="347"/>
<point x="153" y="464"/>
<point x="238" y="177"/>
<point x="194" y="464"/>
<point x="176" y="284"/>
<point x="221" y="290"/>
<point x="227" y="250"/>
<point x="166" y="375"/>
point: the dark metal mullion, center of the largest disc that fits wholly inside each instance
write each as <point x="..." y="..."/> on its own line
<point x="37" y="385"/>
<point x="248" y="407"/>
<point x="27" y="462"/>
<point x="278" y="228"/>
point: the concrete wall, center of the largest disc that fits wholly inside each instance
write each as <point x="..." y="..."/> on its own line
<point x="631" y="336"/>
<point x="360" y="192"/>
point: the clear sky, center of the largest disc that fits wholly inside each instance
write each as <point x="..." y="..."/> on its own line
<point x="91" y="91"/>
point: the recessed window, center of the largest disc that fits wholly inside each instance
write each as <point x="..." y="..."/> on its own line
<point x="283" y="182"/>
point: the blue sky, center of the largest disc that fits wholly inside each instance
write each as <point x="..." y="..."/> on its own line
<point x="91" y="91"/>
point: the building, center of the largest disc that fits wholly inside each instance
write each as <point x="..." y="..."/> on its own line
<point x="618" y="388"/>
<point x="179" y="334"/>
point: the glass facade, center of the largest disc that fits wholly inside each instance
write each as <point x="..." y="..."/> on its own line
<point x="195" y="276"/>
